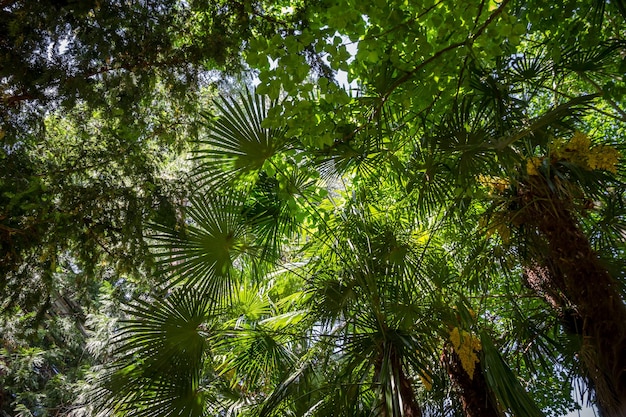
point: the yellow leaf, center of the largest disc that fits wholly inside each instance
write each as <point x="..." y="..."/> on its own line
<point x="466" y="346"/>
<point x="580" y="142"/>
<point x="427" y="381"/>
<point x="604" y="157"/>
<point x="533" y="164"/>
<point x="494" y="184"/>
<point x="455" y="338"/>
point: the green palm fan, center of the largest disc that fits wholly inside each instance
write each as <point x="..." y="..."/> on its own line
<point x="237" y="143"/>
<point x="161" y="351"/>
<point x="270" y="210"/>
<point x="204" y="253"/>
<point x="365" y="332"/>
<point x="254" y="344"/>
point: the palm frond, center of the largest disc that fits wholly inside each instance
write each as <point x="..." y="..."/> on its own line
<point x="256" y="356"/>
<point x="163" y="398"/>
<point x="359" y="152"/>
<point x="589" y="60"/>
<point x="167" y="328"/>
<point x="204" y="253"/>
<point x="287" y="388"/>
<point x="503" y="383"/>
<point x="237" y="143"/>
<point x="269" y="210"/>
<point x="531" y="67"/>
<point x="162" y="349"/>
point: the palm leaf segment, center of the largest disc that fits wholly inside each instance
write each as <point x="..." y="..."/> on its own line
<point x="204" y="253"/>
<point x="164" y="346"/>
<point x="237" y="153"/>
<point x="368" y="328"/>
<point x="254" y="345"/>
<point x="225" y="235"/>
<point x="237" y="143"/>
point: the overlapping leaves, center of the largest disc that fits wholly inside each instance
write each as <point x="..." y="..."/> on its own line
<point x="237" y="142"/>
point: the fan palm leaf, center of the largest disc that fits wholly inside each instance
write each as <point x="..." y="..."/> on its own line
<point x="504" y="383"/>
<point x="162" y="351"/>
<point x="237" y="142"/>
<point x="204" y="253"/>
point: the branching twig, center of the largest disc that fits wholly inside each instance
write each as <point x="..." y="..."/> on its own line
<point x="544" y="120"/>
<point x="599" y="90"/>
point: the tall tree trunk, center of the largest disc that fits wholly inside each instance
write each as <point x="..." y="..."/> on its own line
<point x="541" y="277"/>
<point x="580" y="288"/>
<point x="472" y="391"/>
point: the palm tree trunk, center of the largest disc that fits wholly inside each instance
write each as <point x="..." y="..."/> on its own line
<point x="540" y="276"/>
<point x="472" y="391"/>
<point x="583" y="292"/>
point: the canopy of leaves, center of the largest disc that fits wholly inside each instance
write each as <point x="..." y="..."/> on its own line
<point x="338" y="250"/>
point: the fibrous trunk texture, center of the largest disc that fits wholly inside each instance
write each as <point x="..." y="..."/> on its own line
<point x="571" y="278"/>
<point x="472" y="391"/>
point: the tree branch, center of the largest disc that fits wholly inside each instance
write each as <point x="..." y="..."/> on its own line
<point x="598" y="88"/>
<point x="544" y="120"/>
<point x="456" y="45"/>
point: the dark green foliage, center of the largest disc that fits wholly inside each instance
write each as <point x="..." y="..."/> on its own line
<point x="329" y="242"/>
